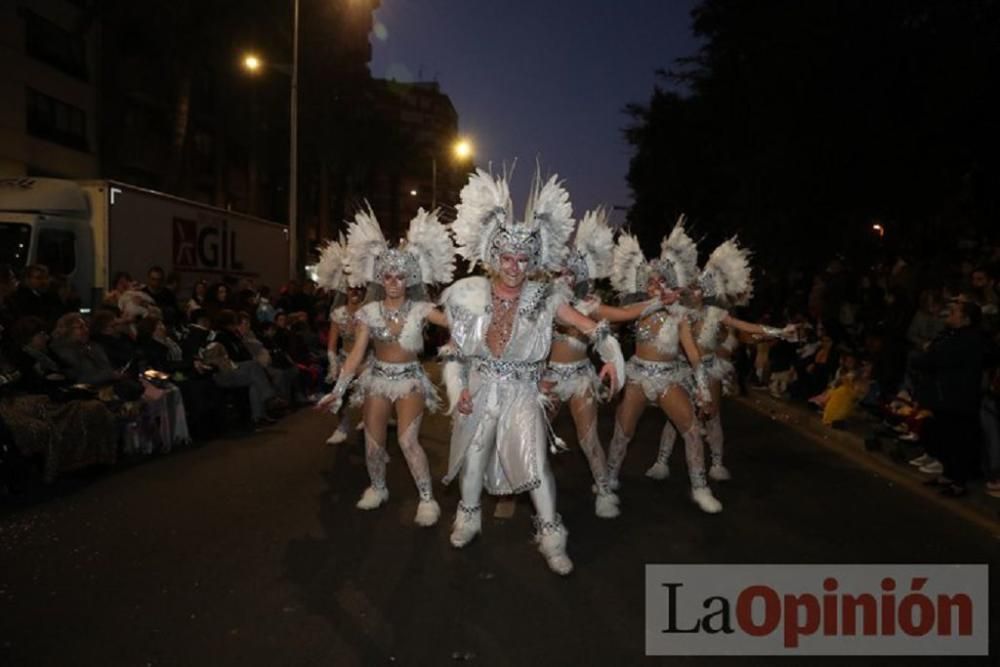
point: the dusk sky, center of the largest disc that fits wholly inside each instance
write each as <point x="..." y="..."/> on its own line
<point x="544" y="79"/>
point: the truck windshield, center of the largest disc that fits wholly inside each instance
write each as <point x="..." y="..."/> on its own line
<point x="15" y="238"/>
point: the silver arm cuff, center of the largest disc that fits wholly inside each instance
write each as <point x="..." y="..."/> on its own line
<point x="775" y="332"/>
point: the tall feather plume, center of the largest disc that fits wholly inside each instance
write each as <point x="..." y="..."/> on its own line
<point x="484" y="203"/>
<point x="330" y="268"/>
<point x="732" y="263"/>
<point x="365" y="243"/>
<point x="629" y="269"/>
<point x="428" y="240"/>
<point x="595" y="241"/>
<point x="550" y="211"/>
<point x="681" y="250"/>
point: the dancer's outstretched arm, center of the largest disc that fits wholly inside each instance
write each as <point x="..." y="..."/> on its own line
<point x="334" y="399"/>
<point x="626" y="314"/>
<point x="604" y="343"/>
<point x="788" y="331"/>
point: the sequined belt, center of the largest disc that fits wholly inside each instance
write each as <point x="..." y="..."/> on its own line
<point x="654" y="368"/>
<point x="510" y="371"/>
<point x="406" y="370"/>
<point x="565" y="370"/>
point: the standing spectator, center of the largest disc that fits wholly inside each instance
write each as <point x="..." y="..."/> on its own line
<point x="984" y="293"/>
<point x="953" y="365"/>
<point x="8" y="285"/>
<point x="198" y="295"/>
<point x="265" y="311"/>
<point x="165" y="299"/>
<point x="32" y="298"/>
<point x="217" y="299"/>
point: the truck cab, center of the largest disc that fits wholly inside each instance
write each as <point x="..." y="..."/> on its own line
<point x="48" y="221"/>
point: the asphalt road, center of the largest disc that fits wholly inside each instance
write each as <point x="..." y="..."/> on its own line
<point x="249" y="551"/>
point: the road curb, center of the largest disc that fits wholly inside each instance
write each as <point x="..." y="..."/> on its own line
<point x="982" y="512"/>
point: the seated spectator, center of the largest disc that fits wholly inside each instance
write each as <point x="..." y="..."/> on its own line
<point x="85" y="361"/>
<point x="112" y="334"/>
<point x="781" y="359"/>
<point x="67" y="434"/>
<point x="813" y="373"/>
<point x="236" y="367"/>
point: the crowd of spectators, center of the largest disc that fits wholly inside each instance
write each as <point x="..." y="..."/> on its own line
<point x="146" y="369"/>
<point x="911" y="341"/>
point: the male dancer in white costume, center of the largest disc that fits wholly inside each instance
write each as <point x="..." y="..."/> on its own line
<point x="501" y="328"/>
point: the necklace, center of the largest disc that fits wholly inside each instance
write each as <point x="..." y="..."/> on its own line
<point x="501" y="326"/>
<point x="394" y="319"/>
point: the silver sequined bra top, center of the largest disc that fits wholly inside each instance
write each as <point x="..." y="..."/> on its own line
<point x="383" y="332"/>
<point x="646" y="330"/>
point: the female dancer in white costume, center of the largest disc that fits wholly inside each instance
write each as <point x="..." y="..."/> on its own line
<point x="570" y="375"/>
<point x="726" y="278"/>
<point x="394" y="377"/>
<point x="657" y="373"/>
<point x="501" y="330"/>
<point x="331" y="274"/>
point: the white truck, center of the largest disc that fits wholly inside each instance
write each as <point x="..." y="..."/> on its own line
<point x="88" y="231"/>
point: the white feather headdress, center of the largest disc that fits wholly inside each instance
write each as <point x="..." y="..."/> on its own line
<point x="727" y="272"/>
<point x="591" y="255"/>
<point x="679" y="254"/>
<point x="485" y="226"/>
<point x="426" y="256"/>
<point x="629" y="268"/>
<point x="429" y="242"/>
<point x="330" y="270"/>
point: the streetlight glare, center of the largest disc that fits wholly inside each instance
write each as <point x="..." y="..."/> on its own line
<point x="463" y="149"/>
<point x="251" y="62"/>
<point x="413" y="193"/>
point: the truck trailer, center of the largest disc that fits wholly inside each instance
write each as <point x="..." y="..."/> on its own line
<point x="87" y="231"/>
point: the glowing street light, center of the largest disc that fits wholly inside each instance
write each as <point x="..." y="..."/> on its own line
<point x="879" y="229"/>
<point x="413" y="193"/>
<point x="462" y="149"/>
<point x="251" y="63"/>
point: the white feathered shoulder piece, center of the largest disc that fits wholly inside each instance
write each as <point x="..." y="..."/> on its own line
<point x="727" y="272"/>
<point x="682" y="252"/>
<point x="550" y="212"/>
<point x="428" y="241"/>
<point x="594" y="241"/>
<point x="330" y="271"/>
<point x="484" y="205"/>
<point x="365" y="243"/>
<point x="629" y="270"/>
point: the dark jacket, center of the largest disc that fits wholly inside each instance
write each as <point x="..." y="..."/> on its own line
<point x="195" y="340"/>
<point x="952" y="371"/>
<point x="234" y="346"/>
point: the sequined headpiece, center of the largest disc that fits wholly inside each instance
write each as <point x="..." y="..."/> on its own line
<point x="485" y="227"/>
<point x="426" y="256"/>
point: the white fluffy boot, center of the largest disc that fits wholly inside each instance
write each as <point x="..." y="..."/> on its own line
<point x="705" y="500"/>
<point x="468" y="524"/>
<point x="719" y="473"/>
<point x="337" y="437"/>
<point x="428" y="512"/>
<point x="658" y="470"/>
<point x="373" y="498"/>
<point x="551" y="539"/>
<point x="606" y="505"/>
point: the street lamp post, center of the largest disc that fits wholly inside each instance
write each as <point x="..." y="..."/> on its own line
<point x="293" y="152"/>
<point x="253" y="64"/>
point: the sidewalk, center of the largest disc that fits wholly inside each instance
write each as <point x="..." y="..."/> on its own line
<point x="884" y="456"/>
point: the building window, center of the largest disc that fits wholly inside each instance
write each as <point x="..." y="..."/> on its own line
<point x="55" y="46"/>
<point x="56" y="121"/>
